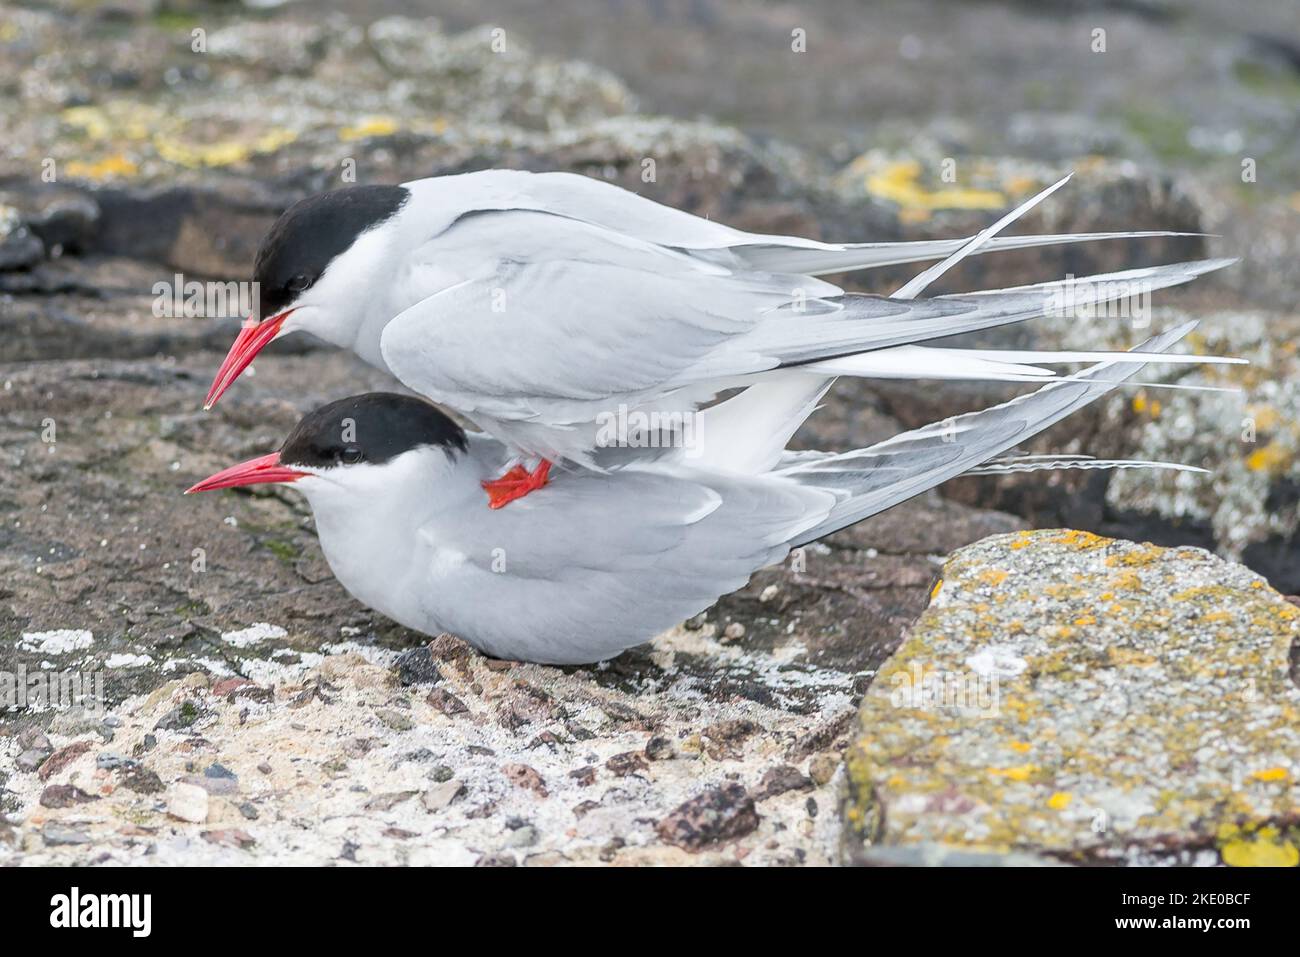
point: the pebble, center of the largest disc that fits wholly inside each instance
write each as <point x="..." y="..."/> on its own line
<point x="416" y="667"/>
<point x="441" y="795"/>
<point x="61" y="758"/>
<point x="717" y="815"/>
<point x="660" y="748"/>
<point x="55" y="834"/>
<point x="394" y="719"/>
<point x="188" y="802"/>
<point x="780" y="779"/>
<point x="32" y="738"/>
<point x="64" y="795"/>
<point x="526" y="836"/>
<point x="388" y="800"/>
<point x="446" y="702"/>
<point x="141" y="780"/>
<point x="822" y="767"/>
<point x="30" y="761"/>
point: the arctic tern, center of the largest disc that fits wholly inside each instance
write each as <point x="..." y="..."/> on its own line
<point x="544" y="306"/>
<point x="604" y="560"/>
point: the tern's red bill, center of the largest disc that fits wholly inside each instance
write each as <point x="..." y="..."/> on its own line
<point x="252" y="338"/>
<point x="266" y="468"/>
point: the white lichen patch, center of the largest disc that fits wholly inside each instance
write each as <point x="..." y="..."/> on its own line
<point x="254" y="634"/>
<point x="329" y="758"/>
<point x="61" y="641"/>
<point x="127" y="661"/>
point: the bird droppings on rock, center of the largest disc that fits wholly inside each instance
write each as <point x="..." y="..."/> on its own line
<point x="597" y="771"/>
<point x="1155" y="719"/>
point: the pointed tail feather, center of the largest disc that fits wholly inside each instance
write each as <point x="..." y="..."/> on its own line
<point x="919" y="283"/>
<point x="876" y="478"/>
<point x="773" y="257"/>
<point x="853" y="324"/>
<point x="1038" y="463"/>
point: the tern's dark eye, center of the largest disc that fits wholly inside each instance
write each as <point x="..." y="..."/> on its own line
<point x="298" y="284"/>
<point x="350" y="455"/>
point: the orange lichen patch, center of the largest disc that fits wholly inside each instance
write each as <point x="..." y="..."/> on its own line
<point x="1023" y="540"/>
<point x="1074" y="538"/>
<point x="109" y="166"/>
<point x="1060" y="800"/>
<point x="1021" y="772"/>
<point x="1135" y="557"/>
<point x="1083" y="621"/>
<point x="1127" y="656"/>
<point x="993" y="576"/>
<point x="1272" y="458"/>
<point x="1272" y="774"/>
<point x="934" y="592"/>
<point x="371" y="126"/>
<point x="1020" y="747"/>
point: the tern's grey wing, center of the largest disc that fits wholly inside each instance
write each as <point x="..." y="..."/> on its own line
<point x="595" y="563"/>
<point x="555" y="341"/>
<point x="587" y="200"/>
<point x="551" y="311"/>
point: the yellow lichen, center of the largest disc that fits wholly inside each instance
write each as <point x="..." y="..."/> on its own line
<point x="1060" y="800"/>
<point x="900" y="183"/>
<point x="1127" y="656"/>
<point x="1261" y="852"/>
<point x="1272" y="458"/>
<point x="371" y="126"/>
<point x="1271" y="774"/>
<point x="115" y="165"/>
<point x="1020" y="772"/>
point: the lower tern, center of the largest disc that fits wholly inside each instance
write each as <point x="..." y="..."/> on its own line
<point x="604" y="560"/>
<point x="541" y="306"/>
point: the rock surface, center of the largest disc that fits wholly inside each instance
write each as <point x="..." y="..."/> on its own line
<point x="1085" y="700"/>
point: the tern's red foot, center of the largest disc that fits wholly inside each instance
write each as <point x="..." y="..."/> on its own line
<point x="516" y="483"/>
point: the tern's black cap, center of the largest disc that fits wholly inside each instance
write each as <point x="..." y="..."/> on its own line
<point x="311" y="232"/>
<point x="373" y="428"/>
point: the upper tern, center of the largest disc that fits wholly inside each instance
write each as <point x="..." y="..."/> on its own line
<point x="604" y="560"/>
<point x="546" y="306"/>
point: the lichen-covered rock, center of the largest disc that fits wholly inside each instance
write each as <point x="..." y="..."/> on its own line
<point x="1250" y="442"/>
<point x="1086" y="699"/>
